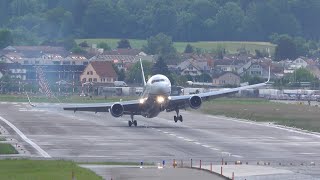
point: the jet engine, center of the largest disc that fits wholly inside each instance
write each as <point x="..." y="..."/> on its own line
<point x="116" y="110"/>
<point x="195" y="102"/>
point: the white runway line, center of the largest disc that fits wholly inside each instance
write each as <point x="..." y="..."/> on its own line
<point x="236" y="156"/>
<point x="206" y="146"/>
<point x="289" y="129"/>
<point x="27" y="140"/>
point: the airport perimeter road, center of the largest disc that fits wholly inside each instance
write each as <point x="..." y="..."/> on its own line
<point x="100" y="137"/>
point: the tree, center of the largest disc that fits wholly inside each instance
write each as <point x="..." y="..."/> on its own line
<point x="134" y="74"/>
<point x="77" y="50"/>
<point x="302" y="75"/>
<point x="162" y="45"/>
<point x="104" y="46"/>
<point x="84" y="44"/>
<point x="229" y="21"/>
<point x="189" y="49"/>
<point x="160" y="67"/>
<point x="6" y="38"/>
<point x="286" y="48"/>
<point x="164" y="18"/>
<point x="120" y="72"/>
<point x="204" y="77"/>
<point x="6" y="84"/>
<point x="124" y="44"/>
<point x="220" y="51"/>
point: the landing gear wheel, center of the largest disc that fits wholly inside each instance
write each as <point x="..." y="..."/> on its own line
<point x="175" y="118"/>
<point x="135" y="123"/>
<point x="129" y="123"/>
<point x="180" y="118"/>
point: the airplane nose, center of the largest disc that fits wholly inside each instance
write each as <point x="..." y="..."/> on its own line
<point x="160" y="88"/>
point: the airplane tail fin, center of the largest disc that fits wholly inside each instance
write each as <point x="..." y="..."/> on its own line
<point x="143" y="77"/>
<point x="269" y="75"/>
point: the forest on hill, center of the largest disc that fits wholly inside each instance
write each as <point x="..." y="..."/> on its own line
<point x="34" y="21"/>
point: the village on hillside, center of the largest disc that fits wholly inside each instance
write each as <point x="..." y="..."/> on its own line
<point x="51" y="69"/>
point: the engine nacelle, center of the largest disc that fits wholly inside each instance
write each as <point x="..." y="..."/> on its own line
<point x="116" y="110"/>
<point x="195" y="102"/>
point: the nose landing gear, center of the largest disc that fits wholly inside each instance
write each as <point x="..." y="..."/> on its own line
<point x="178" y="117"/>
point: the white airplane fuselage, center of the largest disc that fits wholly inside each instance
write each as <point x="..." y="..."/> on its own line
<point x="156" y="95"/>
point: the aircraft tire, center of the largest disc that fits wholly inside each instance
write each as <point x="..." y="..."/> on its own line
<point x="175" y="118"/>
<point x="135" y="123"/>
<point x="180" y="118"/>
<point x="129" y="123"/>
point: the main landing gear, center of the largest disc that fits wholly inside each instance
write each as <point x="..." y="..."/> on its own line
<point x="177" y="118"/>
<point x="132" y="122"/>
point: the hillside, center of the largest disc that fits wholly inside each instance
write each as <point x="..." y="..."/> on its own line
<point x="230" y="46"/>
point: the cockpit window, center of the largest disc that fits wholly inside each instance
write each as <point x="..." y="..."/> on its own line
<point x="157" y="80"/>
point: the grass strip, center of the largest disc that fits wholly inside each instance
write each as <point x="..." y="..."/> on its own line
<point x="230" y="46"/>
<point x="7" y="149"/>
<point x="293" y="115"/>
<point x="63" y="99"/>
<point x="43" y="169"/>
<point x="118" y="163"/>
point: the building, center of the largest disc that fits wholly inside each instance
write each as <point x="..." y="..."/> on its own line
<point x="226" y="79"/>
<point x="99" y="72"/>
<point x="123" y="58"/>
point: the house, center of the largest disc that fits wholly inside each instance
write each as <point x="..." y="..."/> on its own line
<point x="189" y="67"/>
<point x="226" y="79"/>
<point x="123" y="58"/>
<point x="232" y="63"/>
<point x="99" y="72"/>
<point x="299" y="63"/>
<point x="14" y="70"/>
<point x="260" y="68"/>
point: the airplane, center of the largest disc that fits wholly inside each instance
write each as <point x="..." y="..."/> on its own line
<point x="156" y="98"/>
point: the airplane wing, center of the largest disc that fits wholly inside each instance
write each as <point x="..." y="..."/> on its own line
<point x="182" y="102"/>
<point x="128" y="106"/>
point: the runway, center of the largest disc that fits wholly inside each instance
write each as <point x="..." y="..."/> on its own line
<point x="100" y="137"/>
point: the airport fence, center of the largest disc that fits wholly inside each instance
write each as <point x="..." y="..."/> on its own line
<point x="228" y="168"/>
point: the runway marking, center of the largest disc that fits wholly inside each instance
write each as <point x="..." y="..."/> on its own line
<point x="27" y="140"/>
<point x="181" y="137"/>
<point x="307" y="153"/>
<point x="289" y="129"/>
<point x="206" y="146"/>
<point x="236" y="156"/>
<point x="196" y="142"/>
<point x="4" y="102"/>
<point x="215" y="149"/>
<point x="165" y="132"/>
<point x="172" y="134"/>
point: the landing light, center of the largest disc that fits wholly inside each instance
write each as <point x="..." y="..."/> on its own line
<point x="160" y="99"/>
<point x="141" y="101"/>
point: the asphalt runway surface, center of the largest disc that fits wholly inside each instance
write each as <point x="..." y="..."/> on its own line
<point x="86" y="136"/>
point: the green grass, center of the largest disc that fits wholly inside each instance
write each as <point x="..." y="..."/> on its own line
<point x="7" y="149"/>
<point x="293" y="115"/>
<point x="231" y="46"/>
<point x="118" y="163"/>
<point x="62" y="99"/>
<point x="43" y="170"/>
